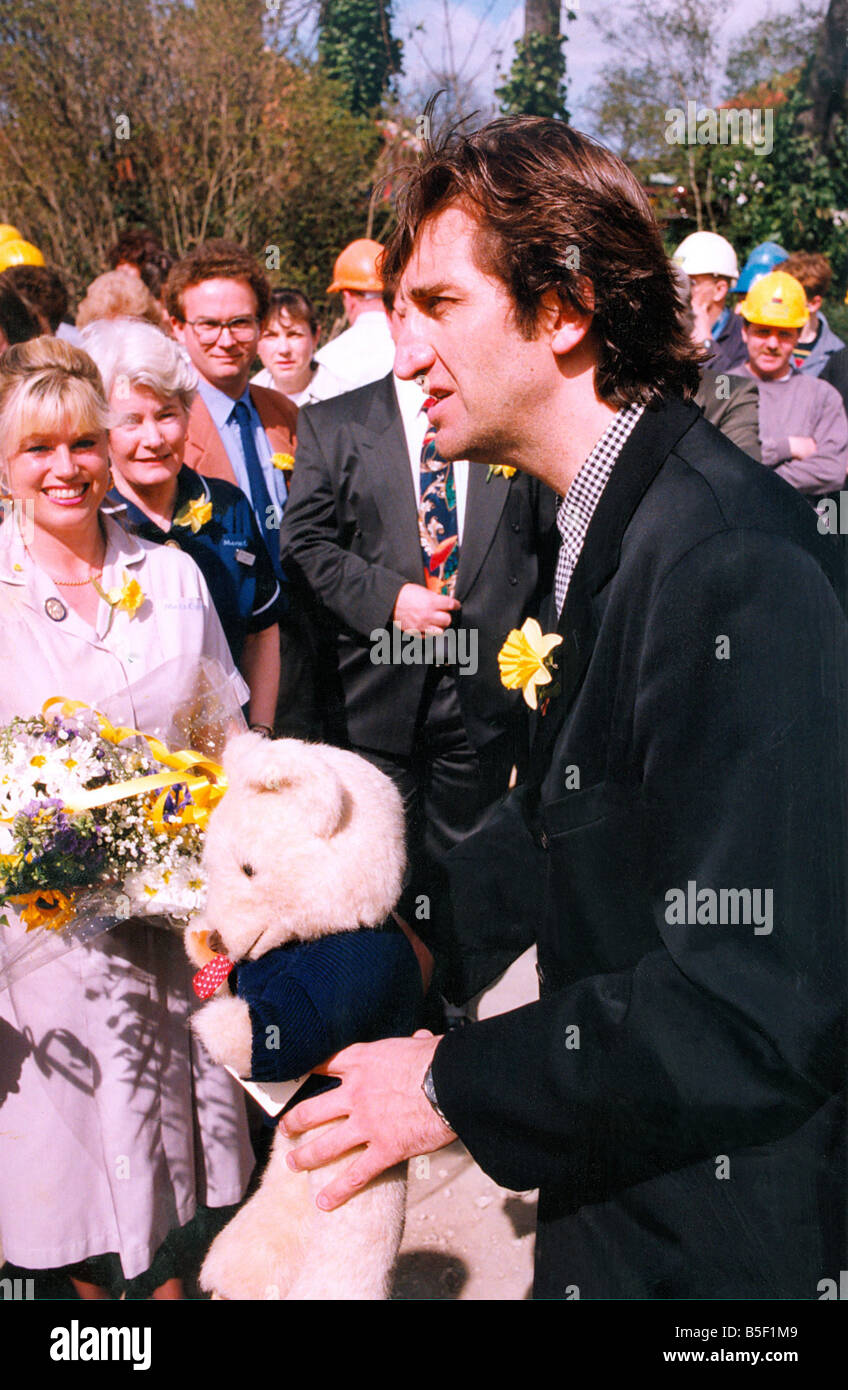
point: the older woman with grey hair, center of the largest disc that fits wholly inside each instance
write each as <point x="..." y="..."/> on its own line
<point x="150" y="386"/>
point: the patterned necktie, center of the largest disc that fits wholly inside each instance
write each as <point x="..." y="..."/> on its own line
<point x="259" y="495"/>
<point x="437" y="519"/>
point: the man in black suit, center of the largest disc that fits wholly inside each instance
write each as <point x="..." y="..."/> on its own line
<point x="448" y="733"/>
<point x="678" y="850"/>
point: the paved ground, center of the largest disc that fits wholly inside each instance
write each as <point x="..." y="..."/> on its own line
<point x="467" y="1238"/>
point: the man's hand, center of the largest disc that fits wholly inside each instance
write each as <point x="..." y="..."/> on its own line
<point x="802" y="446"/>
<point x="701" y="326"/>
<point x="383" y="1107"/>
<point x="419" y="609"/>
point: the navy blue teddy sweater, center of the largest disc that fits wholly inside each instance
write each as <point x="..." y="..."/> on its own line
<point x="312" y="998"/>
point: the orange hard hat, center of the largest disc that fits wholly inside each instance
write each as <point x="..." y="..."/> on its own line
<point x="356" y="268"/>
<point x="8" y="232"/>
<point x="19" y="252"/>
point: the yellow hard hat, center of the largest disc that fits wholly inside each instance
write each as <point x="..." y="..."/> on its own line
<point x="19" y="252"/>
<point x="8" y="232"/>
<point x="356" y="268"/>
<point x="776" y="300"/>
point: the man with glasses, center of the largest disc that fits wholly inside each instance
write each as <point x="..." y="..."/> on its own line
<point x="217" y="298"/>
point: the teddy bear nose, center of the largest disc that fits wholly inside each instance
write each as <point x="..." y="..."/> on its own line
<point x="214" y="942"/>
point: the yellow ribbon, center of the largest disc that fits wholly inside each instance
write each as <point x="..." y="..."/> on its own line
<point x="204" y="777"/>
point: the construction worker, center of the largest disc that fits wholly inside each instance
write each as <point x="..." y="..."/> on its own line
<point x="817" y="342"/>
<point x="365" y="351"/>
<point x="16" y="251"/>
<point x="803" y="427"/>
<point x="710" y="262"/>
<point x="762" y="261"/>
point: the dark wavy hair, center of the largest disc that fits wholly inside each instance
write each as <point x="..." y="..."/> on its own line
<point x="142" y="248"/>
<point x="216" y="260"/>
<point x="296" y="304"/>
<point x="557" y="211"/>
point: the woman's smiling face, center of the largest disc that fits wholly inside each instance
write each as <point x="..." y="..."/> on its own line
<point x="147" y="441"/>
<point x="63" y="472"/>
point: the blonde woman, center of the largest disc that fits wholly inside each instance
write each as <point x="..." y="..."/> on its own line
<point x="119" y="294"/>
<point x="115" y="1127"/>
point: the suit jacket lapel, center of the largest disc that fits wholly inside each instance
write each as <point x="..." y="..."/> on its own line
<point x="204" y="451"/>
<point x="484" y="506"/>
<point x="381" y="443"/>
<point x="643" y="454"/>
<point x="280" y="433"/>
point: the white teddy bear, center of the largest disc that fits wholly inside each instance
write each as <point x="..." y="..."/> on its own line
<point x="305" y="850"/>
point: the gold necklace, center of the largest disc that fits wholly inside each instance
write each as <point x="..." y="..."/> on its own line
<point x="65" y="583"/>
<point x="75" y="583"/>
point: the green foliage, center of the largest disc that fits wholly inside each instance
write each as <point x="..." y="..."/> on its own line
<point x="536" y="84"/>
<point x="357" y="49"/>
<point x="322" y="157"/>
<point x="771" y="48"/>
<point x="796" y="196"/>
<point x="221" y="135"/>
<point x="836" y="311"/>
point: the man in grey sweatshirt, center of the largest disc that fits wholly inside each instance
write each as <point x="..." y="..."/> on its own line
<point x="803" y="426"/>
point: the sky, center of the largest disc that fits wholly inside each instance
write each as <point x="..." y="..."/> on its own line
<point x="483" y="28"/>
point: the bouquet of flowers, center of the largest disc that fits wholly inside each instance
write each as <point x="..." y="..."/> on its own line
<point x="98" y="824"/>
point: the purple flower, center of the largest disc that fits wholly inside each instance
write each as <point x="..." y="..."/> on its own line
<point x="33" y="808"/>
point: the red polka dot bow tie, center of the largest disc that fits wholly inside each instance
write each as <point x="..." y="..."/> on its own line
<point x="207" y="980"/>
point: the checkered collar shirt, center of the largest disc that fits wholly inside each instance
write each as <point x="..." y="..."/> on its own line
<point x="577" y="507"/>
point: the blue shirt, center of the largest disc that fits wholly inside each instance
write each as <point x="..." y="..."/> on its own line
<point x="221" y="407"/>
<point x="721" y="321"/>
<point x="228" y="550"/>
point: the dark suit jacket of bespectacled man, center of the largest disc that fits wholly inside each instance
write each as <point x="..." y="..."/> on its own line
<point x="678" y="850"/>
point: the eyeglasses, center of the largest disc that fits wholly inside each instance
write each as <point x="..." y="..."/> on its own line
<point x="208" y="331"/>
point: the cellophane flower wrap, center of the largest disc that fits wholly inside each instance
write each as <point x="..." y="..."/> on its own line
<point x="100" y="822"/>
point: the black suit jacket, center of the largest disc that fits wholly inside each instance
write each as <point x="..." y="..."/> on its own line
<point x="350" y="535"/>
<point x="675" y="1091"/>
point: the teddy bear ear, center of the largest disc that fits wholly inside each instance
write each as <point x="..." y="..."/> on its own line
<point x="290" y="769"/>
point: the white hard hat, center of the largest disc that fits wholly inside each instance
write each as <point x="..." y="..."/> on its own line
<point x="707" y="253"/>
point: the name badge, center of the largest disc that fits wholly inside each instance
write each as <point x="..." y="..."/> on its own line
<point x="245" y="558"/>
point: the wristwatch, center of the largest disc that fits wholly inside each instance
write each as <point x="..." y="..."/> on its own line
<point x="264" y="729"/>
<point x="428" y="1086"/>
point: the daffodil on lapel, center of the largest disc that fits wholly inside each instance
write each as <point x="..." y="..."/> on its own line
<point x="195" y="514"/>
<point x="500" y="470"/>
<point x="525" y="661"/>
<point x="123" y="598"/>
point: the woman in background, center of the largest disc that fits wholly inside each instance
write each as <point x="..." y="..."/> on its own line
<point x="119" y="294"/>
<point x="286" y="347"/>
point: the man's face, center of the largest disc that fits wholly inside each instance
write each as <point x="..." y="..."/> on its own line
<point x="769" y="349"/>
<point x="224" y="360"/>
<point x="454" y="323"/>
<point x="709" y="293"/>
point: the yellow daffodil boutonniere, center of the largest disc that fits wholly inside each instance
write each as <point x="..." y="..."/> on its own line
<point x="285" y="462"/>
<point x="500" y="470"/>
<point x="124" y="598"/>
<point x="195" y="514"/>
<point x="525" y="660"/>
